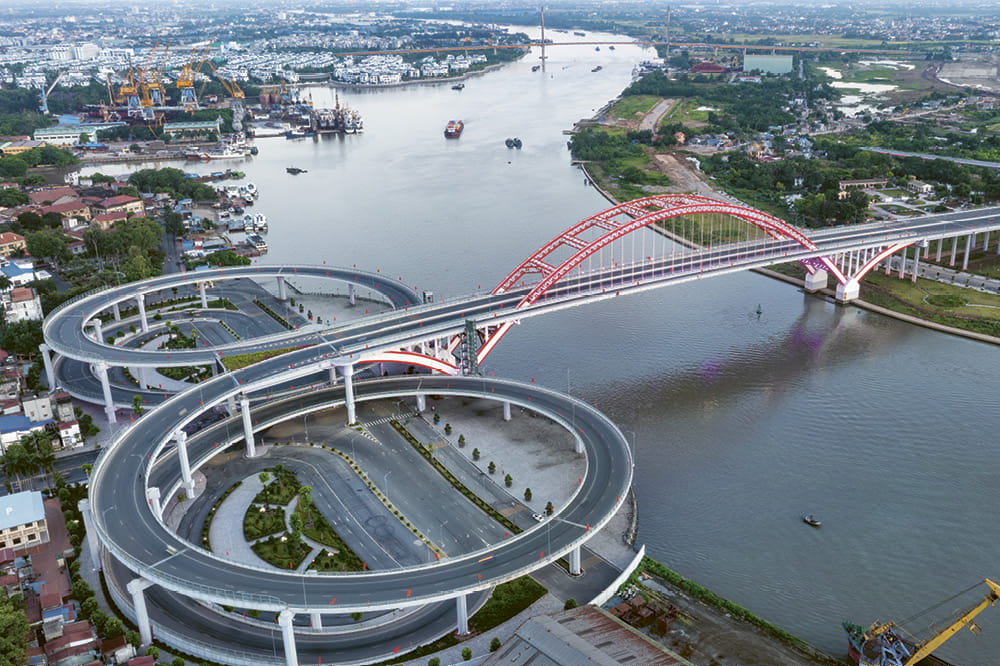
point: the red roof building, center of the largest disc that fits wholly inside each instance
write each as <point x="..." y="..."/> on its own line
<point x="706" y="67"/>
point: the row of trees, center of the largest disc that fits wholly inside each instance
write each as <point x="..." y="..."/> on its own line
<point x="172" y="181"/>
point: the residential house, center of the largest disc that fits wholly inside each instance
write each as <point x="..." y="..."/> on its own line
<point x="53" y="195"/>
<point x="22" y="520"/>
<point x="105" y="221"/>
<point x="16" y="426"/>
<point x="11" y="243"/>
<point x="68" y="209"/>
<point x="122" y="203"/>
<point x="920" y="188"/>
<point x="23" y="304"/>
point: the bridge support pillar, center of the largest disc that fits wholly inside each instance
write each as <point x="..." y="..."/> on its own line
<point x="117" y="311"/>
<point x="848" y="292"/>
<point x="986" y="241"/>
<point x="578" y="443"/>
<point x="203" y="295"/>
<point x="288" y="637"/>
<point x="351" y="296"/>
<point x="180" y="440"/>
<point x="916" y="263"/>
<point x="902" y="263"/>
<point x="968" y="245"/>
<point x="816" y="281"/>
<point x="282" y="289"/>
<point x="153" y="498"/>
<point x="93" y="542"/>
<point x="143" y="322"/>
<point x="574" y="562"/>
<point x="954" y="250"/>
<point x="940" y="246"/>
<point x="231" y="403"/>
<point x="506" y="411"/>
<point x="50" y="373"/>
<point x="136" y="588"/>
<point x="317" y="620"/>
<point x="333" y="376"/>
<point x="462" y="610"/>
<point x="109" y="403"/>
<point x="347" y="371"/>
<point x="96" y="324"/>
<point x="421" y="403"/>
<point x="251" y="449"/>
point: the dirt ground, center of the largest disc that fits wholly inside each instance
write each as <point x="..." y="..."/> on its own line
<point x="707" y="636"/>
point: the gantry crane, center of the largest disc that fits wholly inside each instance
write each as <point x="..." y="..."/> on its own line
<point x="185" y="80"/>
<point x="43" y="96"/>
<point x="129" y="92"/>
<point x="237" y="95"/>
<point x="152" y="78"/>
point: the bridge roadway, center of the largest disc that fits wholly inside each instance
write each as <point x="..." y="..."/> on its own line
<point x="140" y="540"/>
<point x="406" y="325"/>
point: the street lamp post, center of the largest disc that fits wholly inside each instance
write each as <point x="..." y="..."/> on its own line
<point x="385" y="482"/>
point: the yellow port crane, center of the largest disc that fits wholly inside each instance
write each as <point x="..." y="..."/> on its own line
<point x="185" y="80"/>
<point x="129" y="92"/>
<point x="922" y="650"/>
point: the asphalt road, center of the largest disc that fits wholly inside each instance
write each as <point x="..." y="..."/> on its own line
<point x="131" y="532"/>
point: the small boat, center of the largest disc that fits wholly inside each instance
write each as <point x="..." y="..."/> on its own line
<point x="535" y="68"/>
<point x="612" y="47"/>
<point x="509" y="142"/>
<point x="295" y="170"/>
<point x="597" y="48"/>
<point x="597" y="69"/>
<point x="458" y="86"/>
<point x="454" y="129"/>
<point x="251" y="189"/>
<point x="517" y="143"/>
<point x="811" y="520"/>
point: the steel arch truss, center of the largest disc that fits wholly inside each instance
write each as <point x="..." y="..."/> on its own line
<point x="613" y="224"/>
<point x="851" y="267"/>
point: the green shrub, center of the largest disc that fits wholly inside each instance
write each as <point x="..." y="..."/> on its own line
<point x="466" y="653"/>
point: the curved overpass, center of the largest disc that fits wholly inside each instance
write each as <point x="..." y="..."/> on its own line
<point x="64" y="326"/>
<point x="128" y="528"/>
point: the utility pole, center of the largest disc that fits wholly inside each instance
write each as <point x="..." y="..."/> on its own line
<point x="667" y="56"/>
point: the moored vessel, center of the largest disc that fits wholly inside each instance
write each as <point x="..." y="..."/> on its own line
<point x="454" y="129"/>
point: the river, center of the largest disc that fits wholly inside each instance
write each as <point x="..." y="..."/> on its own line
<point x="742" y="422"/>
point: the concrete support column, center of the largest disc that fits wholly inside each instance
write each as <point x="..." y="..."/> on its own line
<point x="96" y="324"/>
<point x="93" y="542"/>
<point x="282" y="289"/>
<point x="578" y="447"/>
<point x="347" y="371"/>
<point x="506" y="411"/>
<point x="136" y="587"/>
<point x="251" y="450"/>
<point x="574" y="562"/>
<point x="927" y="251"/>
<point x="986" y="240"/>
<point x="421" y="403"/>
<point x="940" y="244"/>
<point x="351" y="296"/>
<point x="109" y="403"/>
<point x="333" y="376"/>
<point x="204" y="295"/>
<point x="144" y="323"/>
<point x="462" y="610"/>
<point x="902" y="263"/>
<point x="954" y="250"/>
<point x="317" y="620"/>
<point x="816" y="281"/>
<point x="153" y="497"/>
<point x="848" y="292"/>
<point x="117" y="311"/>
<point x="231" y="404"/>
<point x="288" y="637"/>
<point x="968" y="246"/>
<point x="50" y="373"/>
<point x="180" y="440"/>
<point x="916" y="263"/>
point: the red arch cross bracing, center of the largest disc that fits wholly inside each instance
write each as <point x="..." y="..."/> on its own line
<point x="617" y="222"/>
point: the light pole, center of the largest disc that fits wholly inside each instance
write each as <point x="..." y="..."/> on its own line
<point x="385" y="482"/>
<point x="442" y="531"/>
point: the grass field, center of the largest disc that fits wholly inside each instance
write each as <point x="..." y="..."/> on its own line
<point x="633" y="107"/>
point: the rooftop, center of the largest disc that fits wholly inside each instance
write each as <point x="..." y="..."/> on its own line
<point x="21" y="508"/>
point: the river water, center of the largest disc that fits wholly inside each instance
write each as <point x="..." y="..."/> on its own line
<point x="742" y="422"/>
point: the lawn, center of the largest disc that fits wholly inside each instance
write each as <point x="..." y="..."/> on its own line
<point x="286" y="554"/>
<point x="281" y="489"/>
<point x="316" y="527"/>
<point x="257" y="523"/>
<point x="632" y="107"/>
<point x="508" y="599"/>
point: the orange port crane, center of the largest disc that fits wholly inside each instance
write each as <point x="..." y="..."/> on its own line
<point x="129" y="92"/>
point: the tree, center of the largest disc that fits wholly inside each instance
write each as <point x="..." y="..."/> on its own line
<point x="11" y="197"/>
<point x="437" y="418"/>
<point x="527" y="494"/>
<point x="549" y="509"/>
<point x="475" y="454"/>
<point x="508" y="480"/>
<point x="466" y="653"/>
<point x="434" y="661"/>
<point x="87" y="468"/>
<point x="137" y="407"/>
<point x="492" y="467"/>
<point x="495" y="644"/>
<point x="447" y="428"/>
<point x="177" y="661"/>
<point x="13" y="630"/>
<point x="295" y="523"/>
<point x="47" y="243"/>
<point x="461" y="440"/>
<point x="356" y="616"/>
<point x="264" y="477"/>
<point x="22" y="337"/>
<point x="153" y="651"/>
<point x="570" y="604"/>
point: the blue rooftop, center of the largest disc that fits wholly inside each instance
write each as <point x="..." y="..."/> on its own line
<point x="19" y="422"/>
<point x="21" y="508"/>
